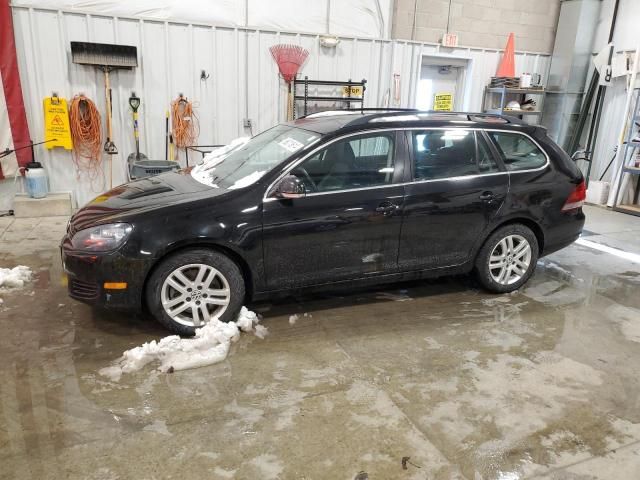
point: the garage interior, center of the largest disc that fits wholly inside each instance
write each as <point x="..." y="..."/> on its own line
<point x="430" y="379"/>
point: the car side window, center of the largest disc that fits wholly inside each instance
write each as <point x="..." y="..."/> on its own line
<point x="518" y="152"/>
<point x="450" y="153"/>
<point x="354" y="162"/>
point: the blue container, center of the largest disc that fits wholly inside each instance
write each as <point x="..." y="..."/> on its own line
<point x="36" y="179"/>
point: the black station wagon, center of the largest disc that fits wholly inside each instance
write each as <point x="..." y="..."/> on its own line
<point x="335" y="198"/>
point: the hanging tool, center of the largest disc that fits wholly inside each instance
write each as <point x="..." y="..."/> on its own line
<point x="86" y="133"/>
<point x="107" y="57"/>
<point x="166" y="136"/>
<point x="134" y="103"/>
<point x="184" y="124"/>
<point x="289" y="58"/>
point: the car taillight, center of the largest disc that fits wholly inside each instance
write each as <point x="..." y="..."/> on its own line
<point x="576" y="198"/>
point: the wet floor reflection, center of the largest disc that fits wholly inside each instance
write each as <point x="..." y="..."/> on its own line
<point x="465" y="383"/>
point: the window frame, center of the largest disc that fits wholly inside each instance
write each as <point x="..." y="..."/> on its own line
<point x="399" y="152"/>
<point x="498" y="150"/>
<point x="404" y="156"/>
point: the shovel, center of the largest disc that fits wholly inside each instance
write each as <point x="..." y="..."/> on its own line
<point x="134" y="103"/>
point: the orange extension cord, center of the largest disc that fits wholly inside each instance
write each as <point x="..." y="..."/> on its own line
<point x="184" y="122"/>
<point x="86" y="133"/>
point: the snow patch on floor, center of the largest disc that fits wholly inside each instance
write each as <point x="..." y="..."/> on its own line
<point x="210" y="345"/>
<point x="15" y="277"/>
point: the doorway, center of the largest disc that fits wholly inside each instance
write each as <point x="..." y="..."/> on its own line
<point x="442" y="77"/>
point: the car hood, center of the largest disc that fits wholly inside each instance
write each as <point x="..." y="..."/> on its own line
<point x="142" y="195"/>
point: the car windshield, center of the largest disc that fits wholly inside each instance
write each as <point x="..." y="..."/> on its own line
<point x="244" y="161"/>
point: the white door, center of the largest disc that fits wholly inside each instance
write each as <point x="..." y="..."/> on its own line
<point x="438" y="80"/>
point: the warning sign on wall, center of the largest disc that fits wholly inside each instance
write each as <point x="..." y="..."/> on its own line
<point x="56" y="123"/>
<point x="443" y="102"/>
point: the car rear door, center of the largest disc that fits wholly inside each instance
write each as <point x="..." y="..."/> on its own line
<point x="457" y="188"/>
<point x="348" y="224"/>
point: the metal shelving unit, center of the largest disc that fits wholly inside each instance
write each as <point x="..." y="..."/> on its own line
<point x="306" y="98"/>
<point x="630" y="150"/>
<point x="508" y="94"/>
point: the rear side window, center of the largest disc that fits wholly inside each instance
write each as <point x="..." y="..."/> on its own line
<point x="450" y="153"/>
<point x="518" y="152"/>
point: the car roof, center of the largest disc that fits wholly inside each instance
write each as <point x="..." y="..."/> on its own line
<point x="341" y="121"/>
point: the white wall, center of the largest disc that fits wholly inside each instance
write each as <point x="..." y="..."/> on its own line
<point x="365" y="18"/>
<point x="171" y="56"/>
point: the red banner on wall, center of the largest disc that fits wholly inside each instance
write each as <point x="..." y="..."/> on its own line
<point x="13" y="118"/>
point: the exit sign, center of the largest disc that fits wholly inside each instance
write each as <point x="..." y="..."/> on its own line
<point x="450" y="40"/>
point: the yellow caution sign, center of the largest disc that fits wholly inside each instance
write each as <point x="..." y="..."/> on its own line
<point x="56" y="123"/>
<point x="443" y="102"/>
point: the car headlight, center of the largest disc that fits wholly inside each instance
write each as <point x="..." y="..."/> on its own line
<point x="101" y="238"/>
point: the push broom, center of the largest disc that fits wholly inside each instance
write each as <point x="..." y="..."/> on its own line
<point x="107" y="57"/>
<point x="289" y="59"/>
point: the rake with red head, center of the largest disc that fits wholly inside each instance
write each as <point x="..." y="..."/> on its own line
<point x="289" y="59"/>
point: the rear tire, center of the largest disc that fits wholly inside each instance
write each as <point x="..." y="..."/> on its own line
<point x="193" y="287"/>
<point x="507" y="259"/>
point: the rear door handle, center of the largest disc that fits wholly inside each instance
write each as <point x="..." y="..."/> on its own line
<point x="386" y="208"/>
<point x="486" y="196"/>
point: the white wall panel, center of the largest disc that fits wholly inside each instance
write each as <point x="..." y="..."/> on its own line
<point x="171" y="56"/>
<point x="369" y="18"/>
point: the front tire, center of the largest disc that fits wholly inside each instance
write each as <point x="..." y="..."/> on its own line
<point x="193" y="287"/>
<point x="507" y="259"/>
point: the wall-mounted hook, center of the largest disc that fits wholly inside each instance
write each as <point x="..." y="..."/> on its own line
<point x="203" y="75"/>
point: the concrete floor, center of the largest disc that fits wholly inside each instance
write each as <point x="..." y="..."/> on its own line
<point x="542" y="383"/>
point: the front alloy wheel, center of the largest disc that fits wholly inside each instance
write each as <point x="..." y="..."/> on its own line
<point x="192" y="287"/>
<point x="194" y="294"/>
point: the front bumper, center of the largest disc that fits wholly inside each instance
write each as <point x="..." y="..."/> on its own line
<point x="87" y="274"/>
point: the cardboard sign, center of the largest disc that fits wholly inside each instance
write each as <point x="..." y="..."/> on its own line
<point x="56" y="123"/>
<point x="443" y="102"/>
<point x="353" y="91"/>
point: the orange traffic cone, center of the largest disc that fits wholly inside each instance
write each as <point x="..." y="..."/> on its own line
<point x="507" y="66"/>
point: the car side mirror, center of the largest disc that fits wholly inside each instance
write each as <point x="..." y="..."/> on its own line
<point x="290" y="187"/>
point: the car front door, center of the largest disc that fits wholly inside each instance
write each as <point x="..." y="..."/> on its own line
<point x="348" y="223"/>
<point x="457" y="189"/>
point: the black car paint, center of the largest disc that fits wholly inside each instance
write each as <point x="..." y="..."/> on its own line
<point x="349" y="237"/>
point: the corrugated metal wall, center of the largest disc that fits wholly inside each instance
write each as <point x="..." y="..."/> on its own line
<point x="171" y="58"/>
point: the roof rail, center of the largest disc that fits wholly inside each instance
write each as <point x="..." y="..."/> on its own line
<point x="347" y="111"/>
<point x="471" y="116"/>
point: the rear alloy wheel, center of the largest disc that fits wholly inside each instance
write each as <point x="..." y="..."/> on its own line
<point x="507" y="259"/>
<point x="510" y="259"/>
<point x="193" y="287"/>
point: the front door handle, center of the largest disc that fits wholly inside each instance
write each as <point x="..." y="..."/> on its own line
<point x="386" y="208"/>
<point x="486" y="196"/>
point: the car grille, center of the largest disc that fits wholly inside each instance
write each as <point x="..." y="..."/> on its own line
<point x="83" y="290"/>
